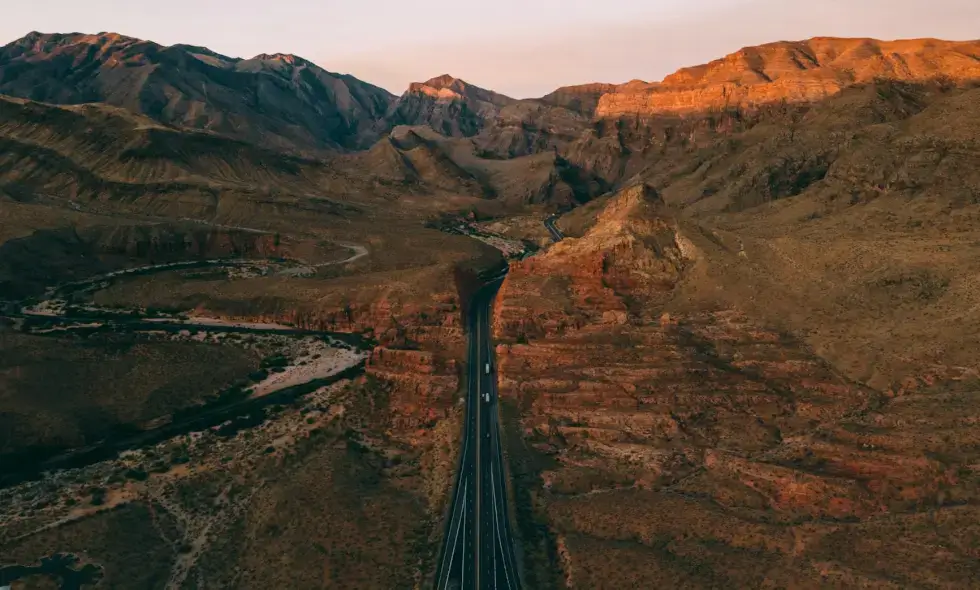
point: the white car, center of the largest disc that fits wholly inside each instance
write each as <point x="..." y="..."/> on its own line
<point x="486" y="397"/>
<point x="488" y="368"/>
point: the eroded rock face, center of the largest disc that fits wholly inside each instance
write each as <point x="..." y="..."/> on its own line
<point x="424" y="384"/>
<point x="632" y="255"/>
<point x="805" y="71"/>
<point x="707" y="449"/>
<point x="448" y="105"/>
<point x="47" y="257"/>
<point x="417" y="343"/>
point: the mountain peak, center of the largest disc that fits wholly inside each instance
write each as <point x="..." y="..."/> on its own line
<point x="445" y="81"/>
<point x="286" y="58"/>
<point x="445" y="84"/>
<point x="450" y="87"/>
<point x="434" y="103"/>
<point x="324" y="111"/>
<point x="39" y="44"/>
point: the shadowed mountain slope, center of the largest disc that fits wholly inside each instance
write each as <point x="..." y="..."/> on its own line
<point x="278" y="100"/>
<point x="448" y="105"/>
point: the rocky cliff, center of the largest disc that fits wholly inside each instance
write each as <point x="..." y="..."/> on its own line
<point x="790" y="72"/>
<point x="701" y="445"/>
<point x="448" y="105"/>
<point x="584" y="98"/>
<point x="417" y="339"/>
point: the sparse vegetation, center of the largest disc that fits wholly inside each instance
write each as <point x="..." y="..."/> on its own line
<point x="763" y="376"/>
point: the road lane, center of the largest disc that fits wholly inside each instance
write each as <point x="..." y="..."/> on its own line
<point x="455" y="565"/>
<point x="549" y="224"/>
<point x="478" y="548"/>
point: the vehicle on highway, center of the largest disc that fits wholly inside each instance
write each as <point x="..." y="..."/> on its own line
<point x="488" y="368"/>
<point x="486" y="397"/>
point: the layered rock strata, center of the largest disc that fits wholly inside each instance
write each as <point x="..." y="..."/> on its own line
<point x="805" y="71"/>
<point x="706" y="449"/>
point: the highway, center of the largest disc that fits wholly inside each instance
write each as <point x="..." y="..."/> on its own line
<point x="478" y="549"/>
<point x="556" y="234"/>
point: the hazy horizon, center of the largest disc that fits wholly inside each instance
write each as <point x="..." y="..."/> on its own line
<point x="522" y="49"/>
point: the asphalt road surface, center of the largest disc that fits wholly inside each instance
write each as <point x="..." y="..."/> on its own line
<point x="556" y="234"/>
<point x="478" y="549"/>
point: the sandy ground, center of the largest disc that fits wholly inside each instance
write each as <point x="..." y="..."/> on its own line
<point x="320" y="360"/>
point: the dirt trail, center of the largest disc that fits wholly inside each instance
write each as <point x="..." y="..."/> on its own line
<point x="358" y="252"/>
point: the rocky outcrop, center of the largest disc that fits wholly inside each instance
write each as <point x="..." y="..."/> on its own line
<point x="450" y="106"/>
<point x="416" y="344"/>
<point x="701" y="445"/>
<point x="424" y="385"/>
<point x="584" y="98"/>
<point x="629" y="259"/>
<point x="791" y="72"/>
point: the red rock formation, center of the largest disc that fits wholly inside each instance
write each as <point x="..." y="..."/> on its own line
<point x="424" y="384"/>
<point x="418" y="338"/>
<point x="631" y="254"/>
<point x="804" y="71"/>
<point x="703" y="439"/>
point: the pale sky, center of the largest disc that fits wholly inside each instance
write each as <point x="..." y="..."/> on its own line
<point x="523" y="48"/>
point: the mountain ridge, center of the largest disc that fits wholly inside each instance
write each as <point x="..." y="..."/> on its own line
<point x="309" y="109"/>
<point x="795" y="71"/>
<point x="274" y="99"/>
<point x="750" y="362"/>
<point x="449" y="105"/>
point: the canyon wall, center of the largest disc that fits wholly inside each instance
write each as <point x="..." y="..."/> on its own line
<point x="806" y="71"/>
<point x="705" y="448"/>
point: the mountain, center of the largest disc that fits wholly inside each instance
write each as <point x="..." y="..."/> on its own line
<point x="448" y="105"/>
<point x="748" y="367"/>
<point x="584" y="98"/>
<point x="803" y="71"/>
<point x="764" y="122"/>
<point x="96" y="155"/>
<point x="279" y="101"/>
<point x="752" y="361"/>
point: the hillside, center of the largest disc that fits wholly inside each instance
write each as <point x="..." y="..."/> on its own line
<point x="751" y="362"/>
<point x="280" y="101"/>
<point x="776" y="402"/>
<point x="790" y="72"/>
<point x="793" y="90"/>
<point x="451" y="106"/>
<point x="716" y="375"/>
<point x="223" y="229"/>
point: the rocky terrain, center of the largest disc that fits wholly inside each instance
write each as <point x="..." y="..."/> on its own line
<point x="232" y="298"/>
<point x="786" y="72"/>
<point x="662" y="424"/>
<point x="104" y="365"/>
<point x="449" y="105"/>
<point x="279" y="100"/>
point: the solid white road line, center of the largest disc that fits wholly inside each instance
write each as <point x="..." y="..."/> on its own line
<point x="479" y="469"/>
<point x="449" y="568"/>
<point x="496" y="522"/>
<point x="460" y="491"/>
<point x="500" y="466"/>
<point x="462" y="580"/>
